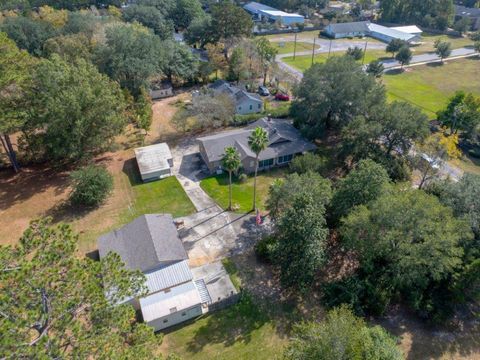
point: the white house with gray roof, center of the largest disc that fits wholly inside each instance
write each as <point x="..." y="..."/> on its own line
<point x="151" y="244"/>
<point x="285" y="142"/>
<point x="379" y="32"/>
<point x="245" y="102"/>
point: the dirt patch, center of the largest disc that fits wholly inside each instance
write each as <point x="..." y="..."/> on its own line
<point x="163" y="111"/>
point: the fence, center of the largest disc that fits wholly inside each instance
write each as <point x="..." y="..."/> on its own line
<point x="222" y="304"/>
<point x="286" y="31"/>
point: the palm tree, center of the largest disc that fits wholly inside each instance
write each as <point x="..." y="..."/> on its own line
<point x="258" y="141"/>
<point x="231" y="162"/>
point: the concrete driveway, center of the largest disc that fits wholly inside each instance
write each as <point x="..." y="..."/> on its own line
<point x="211" y="233"/>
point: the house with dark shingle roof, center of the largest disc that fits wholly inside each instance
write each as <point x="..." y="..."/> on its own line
<point x="151" y="244"/>
<point x="285" y="142"/>
<point x="245" y="102"/>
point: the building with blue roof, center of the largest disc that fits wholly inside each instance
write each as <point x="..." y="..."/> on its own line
<point x="261" y="12"/>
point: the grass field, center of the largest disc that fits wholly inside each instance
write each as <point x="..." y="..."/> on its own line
<point x="242" y="193"/>
<point x="243" y="331"/>
<point x="430" y="86"/>
<point x="288" y="47"/>
<point x="429" y="40"/>
<point x="162" y="196"/>
<point x="304" y="62"/>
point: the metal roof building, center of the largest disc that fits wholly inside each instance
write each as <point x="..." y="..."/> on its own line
<point x="366" y="28"/>
<point x="154" y="161"/>
<point x="151" y="244"/>
<point x="261" y="11"/>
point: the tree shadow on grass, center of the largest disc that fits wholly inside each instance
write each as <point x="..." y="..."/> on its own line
<point x="232" y="325"/>
<point x="432" y="341"/>
<point x="16" y="188"/>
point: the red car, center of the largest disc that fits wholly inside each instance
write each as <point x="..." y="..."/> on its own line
<point x="282" y="97"/>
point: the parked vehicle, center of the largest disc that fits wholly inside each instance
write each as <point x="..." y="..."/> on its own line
<point x="263" y="91"/>
<point x="282" y="97"/>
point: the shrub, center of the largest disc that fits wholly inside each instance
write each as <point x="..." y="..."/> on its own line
<point x="309" y="162"/>
<point x="91" y="186"/>
<point x="265" y="248"/>
<point x="242" y="178"/>
<point x="474" y="153"/>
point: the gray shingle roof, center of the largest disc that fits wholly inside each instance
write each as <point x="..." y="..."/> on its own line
<point x="466" y="11"/>
<point x="238" y="95"/>
<point x="146" y="243"/>
<point x="284" y="139"/>
<point x="360" y="26"/>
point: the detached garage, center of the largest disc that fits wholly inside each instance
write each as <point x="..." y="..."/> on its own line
<point x="154" y="161"/>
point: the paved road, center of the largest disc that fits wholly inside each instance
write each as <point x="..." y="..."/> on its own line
<point x="430" y="58"/>
<point x="325" y="46"/>
<point x="388" y="64"/>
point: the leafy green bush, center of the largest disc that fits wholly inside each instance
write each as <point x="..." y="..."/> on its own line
<point x="309" y="162"/>
<point x="90" y="186"/>
<point x="242" y="178"/>
<point x="265" y="248"/>
<point x="474" y="153"/>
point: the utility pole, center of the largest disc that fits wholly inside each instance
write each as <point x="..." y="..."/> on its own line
<point x="365" y="51"/>
<point x="295" y="47"/>
<point x="313" y="50"/>
<point x="330" y="48"/>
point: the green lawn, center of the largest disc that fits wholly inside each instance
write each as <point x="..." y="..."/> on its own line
<point x="289" y="46"/>
<point x="161" y="196"/>
<point x="243" y="331"/>
<point x="428" y="40"/>
<point x="242" y="193"/>
<point x="430" y="86"/>
<point x="304" y="62"/>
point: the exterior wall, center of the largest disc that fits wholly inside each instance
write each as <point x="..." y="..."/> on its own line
<point x="336" y="35"/>
<point x="176" y="318"/>
<point x="211" y="165"/>
<point x="160" y="94"/>
<point x="156" y="175"/>
<point x="243" y="108"/>
<point x="289" y="20"/>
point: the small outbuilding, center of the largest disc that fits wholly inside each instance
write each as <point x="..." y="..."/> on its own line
<point x="154" y="161"/>
<point x="175" y="292"/>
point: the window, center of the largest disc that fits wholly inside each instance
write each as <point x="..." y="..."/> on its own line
<point x="285" y="159"/>
<point x="165" y="321"/>
<point x="184" y="314"/>
<point x="239" y="108"/>
<point x="251" y="107"/>
<point x="259" y="106"/>
<point x="265" y="163"/>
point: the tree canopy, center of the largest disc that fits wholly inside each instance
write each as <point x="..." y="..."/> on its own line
<point x="332" y="94"/>
<point x="54" y="303"/>
<point x="410" y="243"/>
<point x="341" y="335"/>
<point x="430" y="13"/>
<point x="363" y="184"/>
<point x="78" y="110"/>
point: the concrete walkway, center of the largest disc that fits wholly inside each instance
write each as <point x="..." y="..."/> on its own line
<point x="211" y="233"/>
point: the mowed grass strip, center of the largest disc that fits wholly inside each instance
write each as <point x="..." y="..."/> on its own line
<point x="242" y="193"/>
<point x="304" y="62"/>
<point x="288" y="47"/>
